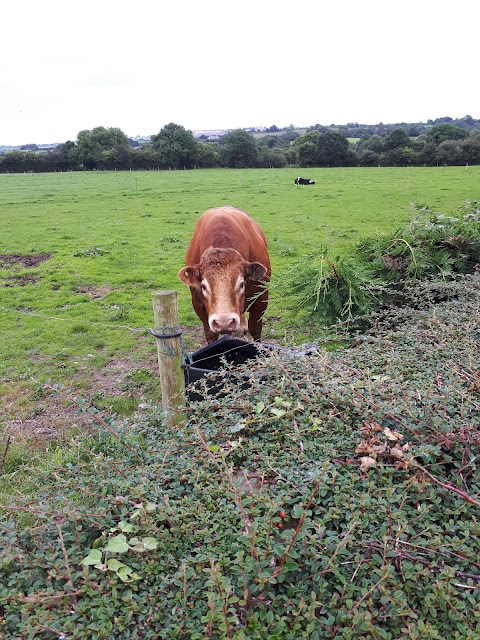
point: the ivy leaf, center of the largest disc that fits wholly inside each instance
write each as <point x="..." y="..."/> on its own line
<point x="145" y="544"/>
<point x="126" y="527"/>
<point x="150" y="543"/>
<point x="115" y="565"/>
<point x="260" y="406"/>
<point x="278" y="412"/>
<point x="94" y="557"/>
<point x="213" y="448"/>
<point x="124" y="573"/>
<point x="118" y="544"/>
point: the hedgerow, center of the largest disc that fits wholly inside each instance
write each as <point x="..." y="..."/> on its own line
<point x="324" y="495"/>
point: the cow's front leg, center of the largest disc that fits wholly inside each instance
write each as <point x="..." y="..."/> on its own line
<point x="257" y="310"/>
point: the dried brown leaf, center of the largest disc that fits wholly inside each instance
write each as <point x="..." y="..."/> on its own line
<point x="367" y="463"/>
<point x="393" y="435"/>
<point x="364" y="447"/>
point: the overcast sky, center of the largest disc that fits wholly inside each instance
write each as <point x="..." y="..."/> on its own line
<point x="69" y="66"/>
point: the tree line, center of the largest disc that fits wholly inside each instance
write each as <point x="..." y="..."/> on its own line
<point x="174" y="147"/>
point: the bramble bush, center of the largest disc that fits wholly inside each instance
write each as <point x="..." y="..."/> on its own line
<point x="337" y="497"/>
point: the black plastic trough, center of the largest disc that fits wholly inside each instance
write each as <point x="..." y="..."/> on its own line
<point x="214" y="358"/>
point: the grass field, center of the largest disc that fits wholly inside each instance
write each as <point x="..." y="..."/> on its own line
<point x="78" y="317"/>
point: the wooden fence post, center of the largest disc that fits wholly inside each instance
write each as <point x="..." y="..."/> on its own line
<point x="167" y="333"/>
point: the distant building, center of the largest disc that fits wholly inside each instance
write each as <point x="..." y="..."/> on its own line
<point x="210" y="134"/>
<point x="142" y="140"/>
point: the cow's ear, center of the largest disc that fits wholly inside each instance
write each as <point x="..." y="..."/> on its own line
<point x="190" y="275"/>
<point x="255" y="271"/>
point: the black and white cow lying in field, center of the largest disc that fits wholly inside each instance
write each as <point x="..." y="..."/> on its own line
<point x="304" y="181"/>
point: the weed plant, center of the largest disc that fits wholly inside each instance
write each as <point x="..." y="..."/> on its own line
<point x="379" y="270"/>
<point x="338" y="497"/>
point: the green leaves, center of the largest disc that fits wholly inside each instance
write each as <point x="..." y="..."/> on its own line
<point x="99" y="556"/>
<point x="93" y="558"/>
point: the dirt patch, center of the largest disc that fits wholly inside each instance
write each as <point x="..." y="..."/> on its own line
<point x="93" y="291"/>
<point x="110" y="380"/>
<point x="27" y="260"/>
<point x="19" y="281"/>
<point x="52" y="419"/>
<point x="55" y="414"/>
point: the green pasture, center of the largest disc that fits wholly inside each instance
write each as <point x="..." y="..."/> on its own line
<point x="114" y="237"/>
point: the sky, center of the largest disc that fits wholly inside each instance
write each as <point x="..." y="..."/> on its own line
<point x="220" y="64"/>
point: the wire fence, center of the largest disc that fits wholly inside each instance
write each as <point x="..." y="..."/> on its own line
<point x="145" y="330"/>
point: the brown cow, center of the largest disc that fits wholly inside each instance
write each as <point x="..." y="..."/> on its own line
<point x="227" y="264"/>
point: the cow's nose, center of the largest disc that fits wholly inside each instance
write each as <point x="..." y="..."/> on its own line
<point x="224" y="322"/>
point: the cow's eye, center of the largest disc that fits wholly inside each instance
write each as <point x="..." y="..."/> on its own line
<point x="204" y="287"/>
<point x="241" y="286"/>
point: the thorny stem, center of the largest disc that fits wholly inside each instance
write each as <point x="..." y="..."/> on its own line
<point x="67" y="564"/>
<point x="448" y="486"/>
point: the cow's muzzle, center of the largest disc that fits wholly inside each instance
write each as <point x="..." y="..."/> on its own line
<point x="224" y="322"/>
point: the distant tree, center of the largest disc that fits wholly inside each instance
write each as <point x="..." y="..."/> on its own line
<point x="450" y="152"/>
<point x="144" y="157"/>
<point x="289" y="136"/>
<point x="427" y="155"/>
<point x="317" y="127"/>
<point x="13" y="162"/>
<point x="306" y="152"/>
<point x="33" y="161"/>
<point x="360" y="131"/>
<point x="238" y="148"/>
<point x="91" y="145"/>
<point x="63" y="155"/>
<point x="270" y="141"/>
<point x="175" y="147"/>
<point x="208" y="155"/>
<point x="471" y="149"/>
<point x="271" y="158"/>
<point x="368" y="158"/>
<point x="441" y="132"/>
<point x="273" y="129"/>
<point x="333" y="150"/>
<point x="399" y="157"/>
<point x="306" y="149"/>
<point x="112" y="159"/>
<point x="375" y="143"/>
<point x="415" y="130"/>
<point x="419" y="142"/>
<point x="398" y="138"/>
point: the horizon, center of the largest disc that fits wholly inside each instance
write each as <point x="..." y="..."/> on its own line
<point x="257" y="127"/>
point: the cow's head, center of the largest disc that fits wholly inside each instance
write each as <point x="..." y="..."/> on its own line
<point x="220" y="281"/>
